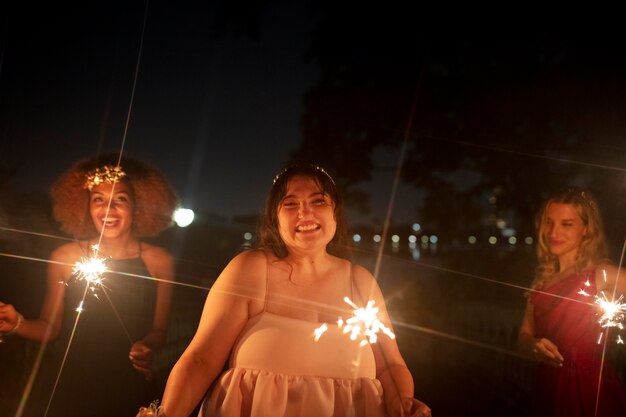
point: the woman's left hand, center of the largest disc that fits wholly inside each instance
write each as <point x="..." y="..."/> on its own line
<point x="8" y="317"/>
<point x="142" y="356"/>
<point x="411" y="407"/>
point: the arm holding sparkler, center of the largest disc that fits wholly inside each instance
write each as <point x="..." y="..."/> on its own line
<point x="233" y="298"/>
<point x="160" y="264"/>
<point x="611" y="280"/>
<point x="541" y="349"/>
<point x="47" y="326"/>
<point x="391" y="369"/>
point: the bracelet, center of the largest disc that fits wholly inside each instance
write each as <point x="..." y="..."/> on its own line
<point x="20" y="319"/>
<point x="153" y="410"/>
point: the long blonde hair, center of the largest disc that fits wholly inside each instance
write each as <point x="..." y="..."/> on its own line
<point x="593" y="248"/>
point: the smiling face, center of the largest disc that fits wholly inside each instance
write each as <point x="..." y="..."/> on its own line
<point x="306" y="218"/>
<point x="563" y="231"/>
<point x="119" y="219"/>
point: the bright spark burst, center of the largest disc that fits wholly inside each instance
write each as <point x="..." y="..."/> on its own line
<point x="364" y="324"/>
<point x="612" y="312"/>
<point x="320" y="331"/>
<point x="91" y="270"/>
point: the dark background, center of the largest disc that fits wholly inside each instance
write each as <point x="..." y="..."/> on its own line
<point x="479" y="114"/>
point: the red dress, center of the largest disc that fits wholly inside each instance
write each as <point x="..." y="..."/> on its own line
<point x="570" y="320"/>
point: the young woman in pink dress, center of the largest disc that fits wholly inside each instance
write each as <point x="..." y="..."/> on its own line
<point x="261" y="315"/>
<point x="561" y="328"/>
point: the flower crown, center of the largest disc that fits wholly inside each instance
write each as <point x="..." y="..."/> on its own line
<point x="106" y="173"/>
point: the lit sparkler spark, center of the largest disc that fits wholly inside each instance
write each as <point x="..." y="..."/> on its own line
<point x="91" y="270"/>
<point x="612" y="311"/>
<point x="320" y="331"/>
<point x="363" y="324"/>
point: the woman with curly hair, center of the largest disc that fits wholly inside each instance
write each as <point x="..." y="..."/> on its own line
<point x="560" y="327"/>
<point x="109" y="204"/>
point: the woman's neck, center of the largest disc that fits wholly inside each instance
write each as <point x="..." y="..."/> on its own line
<point x="121" y="248"/>
<point x="309" y="263"/>
<point x="566" y="263"/>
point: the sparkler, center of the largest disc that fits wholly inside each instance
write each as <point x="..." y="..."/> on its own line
<point x="612" y="311"/>
<point x="91" y="270"/>
<point x="364" y="324"/>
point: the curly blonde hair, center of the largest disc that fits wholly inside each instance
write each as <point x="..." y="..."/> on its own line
<point x="593" y="248"/>
<point x="153" y="197"/>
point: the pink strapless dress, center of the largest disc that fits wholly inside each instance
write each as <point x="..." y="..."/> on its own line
<point x="278" y="369"/>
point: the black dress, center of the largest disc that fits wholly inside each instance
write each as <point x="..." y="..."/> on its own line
<point x="97" y="378"/>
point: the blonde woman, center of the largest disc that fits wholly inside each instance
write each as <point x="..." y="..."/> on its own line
<point x="560" y="327"/>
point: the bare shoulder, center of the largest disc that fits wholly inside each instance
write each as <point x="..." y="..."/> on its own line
<point x="63" y="260"/>
<point x="365" y="282"/>
<point x="607" y="274"/>
<point x="606" y="268"/>
<point x="362" y="275"/>
<point x="158" y="260"/>
<point x="67" y="253"/>
<point x="246" y="270"/>
<point x="252" y="261"/>
<point x="153" y="253"/>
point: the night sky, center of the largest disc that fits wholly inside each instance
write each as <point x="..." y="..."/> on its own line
<point x="218" y="102"/>
<point x="217" y="116"/>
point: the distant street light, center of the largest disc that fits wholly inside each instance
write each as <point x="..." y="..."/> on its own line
<point x="183" y="217"/>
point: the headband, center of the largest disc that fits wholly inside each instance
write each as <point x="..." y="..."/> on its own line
<point x="106" y="173"/>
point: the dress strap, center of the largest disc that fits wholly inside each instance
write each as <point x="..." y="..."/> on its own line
<point x="353" y="287"/>
<point x="85" y="248"/>
<point x="267" y="279"/>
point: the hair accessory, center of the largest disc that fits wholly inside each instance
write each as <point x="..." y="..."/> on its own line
<point x="587" y="198"/>
<point x="106" y="173"/>
<point x="316" y="167"/>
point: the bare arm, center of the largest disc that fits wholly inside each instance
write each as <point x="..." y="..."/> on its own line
<point x="160" y="264"/>
<point x="541" y="349"/>
<point x="224" y="316"/>
<point x="611" y="280"/>
<point x="391" y="369"/>
<point x="47" y="326"/>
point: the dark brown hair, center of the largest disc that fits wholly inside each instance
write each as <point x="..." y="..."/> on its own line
<point x="270" y="236"/>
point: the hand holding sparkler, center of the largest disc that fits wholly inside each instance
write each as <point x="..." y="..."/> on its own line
<point x="546" y="351"/>
<point x="142" y="356"/>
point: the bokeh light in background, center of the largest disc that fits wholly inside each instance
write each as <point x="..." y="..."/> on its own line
<point x="183" y="217"/>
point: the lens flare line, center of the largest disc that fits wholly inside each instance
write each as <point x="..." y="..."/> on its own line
<point x="28" y="232"/>
<point x="460" y="339"/>
<point x="65" y="355"/>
